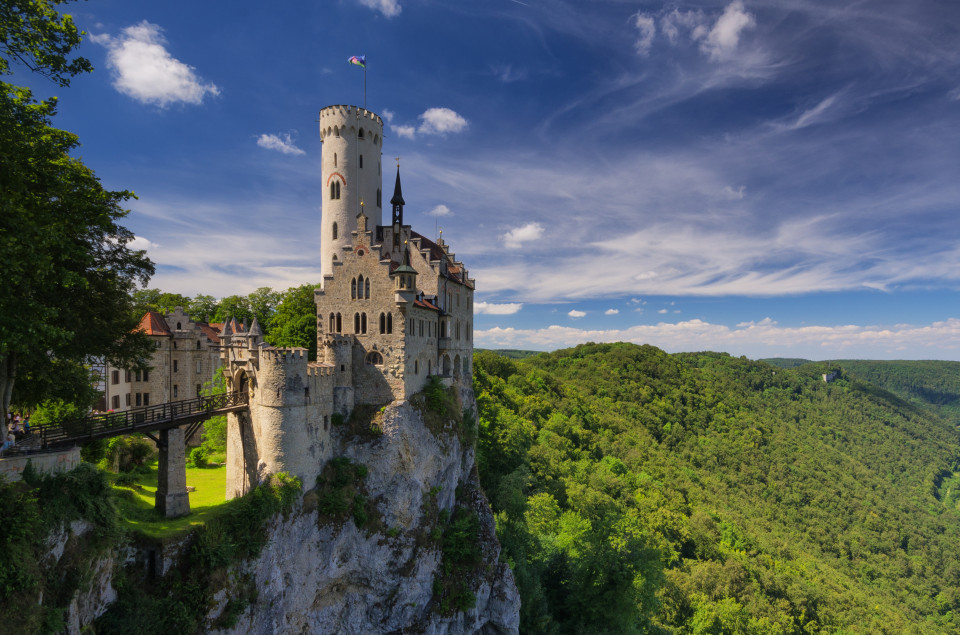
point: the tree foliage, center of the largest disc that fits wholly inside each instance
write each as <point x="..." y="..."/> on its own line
<point x="34" y="34"/>
<point x="637" y="491"/>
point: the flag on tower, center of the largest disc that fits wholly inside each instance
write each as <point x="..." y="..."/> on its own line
<point x="359" y="60"/>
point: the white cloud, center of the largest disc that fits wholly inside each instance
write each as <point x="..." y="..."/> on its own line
<point x="404" y="131"/>
<point x="488" y="308"/>
<point x="662" y="311"/>
<point x="508" y="73"/>
<point x="387" y="114"/>
<point x="734" y="194"/>
<point x="139" y="242"/>
<point x="441" y="121"/>
<point x="647" y="30"/>
<point x="764" y="338"/>
<point x="389" y="8"/>
<point x="721" y="43"/>
<point x="275" y="142"/>
<point x="576" y="314"/>
<point x="515" y="238"/>
<point x="440" y="210"/>
<point x="144" y="70"/>
<point x="611" y="311"/>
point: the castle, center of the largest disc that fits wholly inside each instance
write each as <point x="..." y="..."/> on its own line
<point x="393" y="308"/>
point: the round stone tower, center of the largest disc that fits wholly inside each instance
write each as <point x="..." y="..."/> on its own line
<point x="350" y="165"/>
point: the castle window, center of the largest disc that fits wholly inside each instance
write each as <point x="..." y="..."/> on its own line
<point x="361" y="136"/>
<point x="353" y="289"/>
<point x="334" y="191"/>
<point x="376" y="139"/>
<point x="383" y="323"/>
<point x="146" y="399"/>
<point x="360" y="287"/>
<point x="174" y="344"/>
<point x="176" y="391"/>
<point x="336" y="131"/>
<point x="374" y="358"/>
<point x="363" y="322"/>
<point x="127" y="399"/>
<point x="339" y="324"/>
<point x="115" y="377"/>
<point x="333" y="323"/>
<point x="416" y="367"/>
<point x="356" y="322"/>
<point x="146" y="375"/>
<point x="361" y="158"/>
<point x="179" y="328"/>
<point x="334" y="237"/>
<point x="334" y="159"/>
<point x="175" y="365"/>
<point x="198" y="365"/>
<point x="366" y="289"/>
<point x="429" y="367"/>
<point x="389" y="322"/>
<point x="421" y="327"/>
<point x="136" y="376"/>
<point x="396" y="240"/>
<point x="139" y="400"/>
<point x="127" y="376"/>
<point x="198" y="347"/>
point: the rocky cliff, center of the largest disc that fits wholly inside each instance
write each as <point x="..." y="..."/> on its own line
<point x="322" y="574"/>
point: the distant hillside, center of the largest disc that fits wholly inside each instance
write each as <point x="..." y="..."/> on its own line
<point x="637" y="491"/>
<point x="934" y="383"/>
<point x="510" y="353"/>
<point x="785" y="362"/>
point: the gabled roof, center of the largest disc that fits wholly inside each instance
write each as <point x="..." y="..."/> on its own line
<point x="152" y="323"/>
<point x="210" y="332"/>
<point x="426" y="305"/>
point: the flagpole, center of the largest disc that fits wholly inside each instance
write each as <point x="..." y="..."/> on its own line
<point x="364" y="86"/>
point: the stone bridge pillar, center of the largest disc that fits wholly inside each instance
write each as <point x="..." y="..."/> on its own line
<point x="172" y="498"/>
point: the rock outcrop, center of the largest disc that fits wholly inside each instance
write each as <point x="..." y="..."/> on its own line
<point x="333" y="577"/>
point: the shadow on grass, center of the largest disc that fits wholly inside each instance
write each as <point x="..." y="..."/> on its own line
<point x="135" y="503"/>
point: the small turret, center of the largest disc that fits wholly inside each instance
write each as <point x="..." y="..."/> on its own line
<point x="405" y="278"/>
<point x="254" y="335"/>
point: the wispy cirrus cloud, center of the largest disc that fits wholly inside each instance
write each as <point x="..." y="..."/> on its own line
<point x="490" y="308"/>
<point x="144" y="70"/>
<point x="389" y="8"/>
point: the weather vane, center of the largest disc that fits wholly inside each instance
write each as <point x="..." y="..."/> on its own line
<point x="398" y="161"/>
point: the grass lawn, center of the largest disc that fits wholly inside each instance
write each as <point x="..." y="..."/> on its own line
<point x="135" y="504"/>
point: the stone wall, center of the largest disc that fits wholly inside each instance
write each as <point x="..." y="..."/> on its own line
<point x="46" y="463"/>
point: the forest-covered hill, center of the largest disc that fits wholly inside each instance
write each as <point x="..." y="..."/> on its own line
<point x="637" y="491"/>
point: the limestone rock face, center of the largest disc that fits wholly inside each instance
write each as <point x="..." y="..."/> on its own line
<point x="316" y="577"/>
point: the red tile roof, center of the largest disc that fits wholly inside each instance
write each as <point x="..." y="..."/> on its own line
<point x="212" y="334"/>
<point x="152" y="323"/>
<point x="425" y="304"/>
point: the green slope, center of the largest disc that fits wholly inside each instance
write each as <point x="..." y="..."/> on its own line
<point x="933" y="383"/>
<point x="637" y="491"/>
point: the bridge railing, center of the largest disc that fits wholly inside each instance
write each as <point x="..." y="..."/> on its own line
<point x="136" y="420"/>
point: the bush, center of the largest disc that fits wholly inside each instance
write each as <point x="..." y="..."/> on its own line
<point x="198" y="456"/>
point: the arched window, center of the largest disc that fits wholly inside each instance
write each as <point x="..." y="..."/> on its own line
<point x="366" y="289"/>
<point x="383" y="324"/>
<point x="339" y="324"/>
<point x="361" y="136"/>
<point x="353" y="289"/>
<point x="333" y="190"/>
<point x="360" y="287"/>
<point x="333" y="324"/>
<point x="374" y="358"/>
<point x="361" y="161"/>
<point x="336" y="131"/>
<point x="179" y="327"/>
<point x="198" y="345"/>
<point x="334" y="235"/>
<point x="389" y="322"/>
<point x="334" y="159"/>
<point x="363" y="322"/>
<point x="356" y="323"/>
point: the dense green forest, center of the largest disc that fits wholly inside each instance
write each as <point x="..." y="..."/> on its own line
<point x="637" y="491"/>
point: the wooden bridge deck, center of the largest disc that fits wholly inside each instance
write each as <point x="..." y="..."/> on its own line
<point x="146" y="419"/>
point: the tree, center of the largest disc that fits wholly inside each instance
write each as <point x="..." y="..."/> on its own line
<point x="34" y="34"/>
<point x="234" y="306"/>
<point x="263" y="303"/>
<point x="156" y="300"/>
<point x="67" y="270"/>
<point x="295" y="320"/>
<point x="202" y="308"/>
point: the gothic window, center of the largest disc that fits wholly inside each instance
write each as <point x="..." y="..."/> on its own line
<point x="333" y="190"/>
<point x="363" y="322"/>
<point x="360" y="287"/>
<point x="336" y="131"/>
<point x="176" y="391"/>
<point x="333" y="323"/>
<point x="361" y="160"/>
<point x="356" y="323"/>
<point x="374" y="358"/>
<point x="334" y="159"/>
<point x="366" y="289"/>
<point x="383" y="324"/>
<point x="334" y="234"/>
<point x="389" y="322"/>
<point x="179" y="328"/>
<point x="339" y="324"/>
<point x="353" y="289"/>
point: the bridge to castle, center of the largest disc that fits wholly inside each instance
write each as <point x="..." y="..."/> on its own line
<point x="173" y="422"/>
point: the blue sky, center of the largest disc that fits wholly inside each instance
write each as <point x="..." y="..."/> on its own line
<point x="761" y="178"/>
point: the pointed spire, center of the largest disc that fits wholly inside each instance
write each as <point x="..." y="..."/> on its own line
<point x="226" y="331"/>
<point x="397" y="201"/>
<point x="255" y="328"/>
<point x="234" y="326"/>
